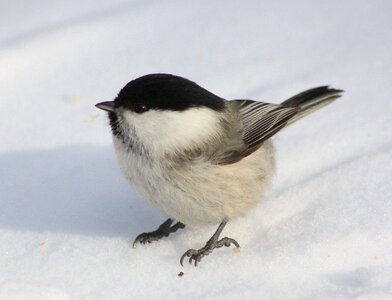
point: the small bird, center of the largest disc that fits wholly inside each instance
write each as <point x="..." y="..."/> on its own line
<point x="197" y="157"/>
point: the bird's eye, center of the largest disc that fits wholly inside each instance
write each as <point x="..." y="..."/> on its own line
<point x="140" y="108"/>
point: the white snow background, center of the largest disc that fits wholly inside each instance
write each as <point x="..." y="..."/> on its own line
<point x="68" y="218"/>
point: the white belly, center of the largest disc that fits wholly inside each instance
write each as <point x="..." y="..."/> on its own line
<point x="203" y="193"/>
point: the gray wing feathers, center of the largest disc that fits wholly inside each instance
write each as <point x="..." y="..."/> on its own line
<point x="262" y="120"/>
<point x="259" y="121"/>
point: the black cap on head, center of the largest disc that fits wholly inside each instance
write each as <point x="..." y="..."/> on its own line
<point x="166" y="92"/>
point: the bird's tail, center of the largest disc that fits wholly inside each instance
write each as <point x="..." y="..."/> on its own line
<point x="311" y="100"/>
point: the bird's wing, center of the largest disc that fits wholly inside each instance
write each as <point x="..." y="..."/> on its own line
<point x="259" y="122"/>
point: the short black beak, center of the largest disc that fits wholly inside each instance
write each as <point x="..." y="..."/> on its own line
<point x="107" y="106"/>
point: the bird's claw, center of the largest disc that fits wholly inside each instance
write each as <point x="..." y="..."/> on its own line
<point x="164" y="230"/>
<point x="196" y="255"/>
<point x="147" y="237"/>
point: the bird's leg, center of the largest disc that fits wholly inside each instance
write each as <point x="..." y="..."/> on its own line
<point x="164" y="230"/>
<point x="212" y="243"/>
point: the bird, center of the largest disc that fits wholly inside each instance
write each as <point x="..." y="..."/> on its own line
<point x="197" y="157"/>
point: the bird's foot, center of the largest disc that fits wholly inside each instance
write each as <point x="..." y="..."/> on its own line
<point x="164" y="230"/>
<point x="197" y="255"/>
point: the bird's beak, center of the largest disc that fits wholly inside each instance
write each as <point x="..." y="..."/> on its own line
<point x="107" y="106"/>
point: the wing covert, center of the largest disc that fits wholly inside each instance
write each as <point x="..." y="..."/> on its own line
<point x="259" y="122"/>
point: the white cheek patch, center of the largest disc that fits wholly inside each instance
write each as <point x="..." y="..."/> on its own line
<point x="162" y="130"/>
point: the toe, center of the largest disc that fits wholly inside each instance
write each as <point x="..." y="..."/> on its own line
<point x="182" y="257"/>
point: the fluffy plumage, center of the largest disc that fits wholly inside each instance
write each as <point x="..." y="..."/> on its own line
<point x="195" y="156"/>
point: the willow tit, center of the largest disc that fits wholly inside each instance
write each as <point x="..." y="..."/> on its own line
<point x="195" y="156"/>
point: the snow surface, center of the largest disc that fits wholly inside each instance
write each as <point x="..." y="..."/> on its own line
<point x="68" y="218"/>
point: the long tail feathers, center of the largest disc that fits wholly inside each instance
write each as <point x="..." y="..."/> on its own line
<point x="311" y="100"/>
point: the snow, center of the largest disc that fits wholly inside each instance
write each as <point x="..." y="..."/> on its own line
<point x="68" y="218"/>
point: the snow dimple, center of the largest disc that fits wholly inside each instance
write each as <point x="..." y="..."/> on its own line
<point x="68" y="218"/>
